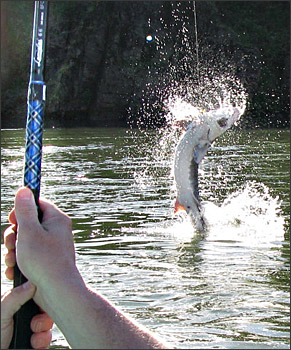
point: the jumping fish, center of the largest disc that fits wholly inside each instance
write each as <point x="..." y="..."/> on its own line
<point x="190" y="151"/>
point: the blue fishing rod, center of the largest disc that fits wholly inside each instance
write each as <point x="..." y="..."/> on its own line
<point x="33" y="152"/>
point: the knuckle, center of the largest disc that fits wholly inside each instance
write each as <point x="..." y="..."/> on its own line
<point x="9" y="273"/>
<point x="10" y="258"/>
<point x="9" y="238"/>
<point x="67" y="221"/>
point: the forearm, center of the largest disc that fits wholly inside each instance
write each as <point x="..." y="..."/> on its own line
<point x="89" y="321"/>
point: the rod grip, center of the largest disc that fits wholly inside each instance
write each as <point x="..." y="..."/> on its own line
<point x="22" y="332"/>
<point x="21" y="335"/>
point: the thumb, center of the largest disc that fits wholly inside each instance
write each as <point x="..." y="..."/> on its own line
<point x="25" y="207"/>
<point x="12" y="301"/>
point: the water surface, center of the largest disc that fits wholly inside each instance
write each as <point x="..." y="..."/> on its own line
<point x="229" y="290"/>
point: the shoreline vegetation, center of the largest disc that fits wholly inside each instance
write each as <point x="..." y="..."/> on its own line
<point x="102" y="72"/>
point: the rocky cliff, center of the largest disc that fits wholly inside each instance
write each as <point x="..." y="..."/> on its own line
<point x="102" y="71"/>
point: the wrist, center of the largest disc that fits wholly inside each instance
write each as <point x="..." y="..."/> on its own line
<point x="53" y="287"/>
<point x="67" y="301"/>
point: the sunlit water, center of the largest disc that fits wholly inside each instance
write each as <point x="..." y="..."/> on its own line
<point x="229" y="289"/>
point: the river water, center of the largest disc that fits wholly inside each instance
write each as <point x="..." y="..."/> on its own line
<point x="228" y="290"/>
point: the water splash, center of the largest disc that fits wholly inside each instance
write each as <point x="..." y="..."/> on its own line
<point x="160" y="151"/>
<point x="255" y="212"/>
<point x="175" y="94"/>
<point x="181" y="113"/>
<point x="173" y="69"/>
<point x="180" y="110"/>
<point x="249" y="215"/>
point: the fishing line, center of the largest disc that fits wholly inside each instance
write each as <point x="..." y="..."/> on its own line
<point x="196" y="44"/>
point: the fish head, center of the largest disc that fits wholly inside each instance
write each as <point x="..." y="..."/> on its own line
<point x="221" y="120"/>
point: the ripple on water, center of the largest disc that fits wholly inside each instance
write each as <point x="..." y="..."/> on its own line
<point x="229" y="289"/>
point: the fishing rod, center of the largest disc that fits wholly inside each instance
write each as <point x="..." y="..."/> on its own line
<point x="33" y="152"/>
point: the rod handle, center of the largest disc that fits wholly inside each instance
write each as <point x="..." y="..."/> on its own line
<point x="22" y="334"/>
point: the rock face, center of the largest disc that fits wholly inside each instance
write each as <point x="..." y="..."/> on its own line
<point x="101" y="70"/>
<point x="98" y="74"/>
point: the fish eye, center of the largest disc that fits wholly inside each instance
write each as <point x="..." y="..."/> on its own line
<point x="222" y="122"/>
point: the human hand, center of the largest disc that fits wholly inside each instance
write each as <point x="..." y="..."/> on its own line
<point x="44" y="252"/>
<point x="41" y="324"/>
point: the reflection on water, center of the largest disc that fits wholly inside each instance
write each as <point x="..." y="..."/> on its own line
<point x="229" y="289"/>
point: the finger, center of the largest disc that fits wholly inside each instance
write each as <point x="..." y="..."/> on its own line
<point x="10" y="259"/>
<point x="10" y="237"/>
<point x="9" y="273"/>
<point x="25" y="208"/>
<point x="14" y="299"/>
<point x="12" y="217"/>
<point x="41" y="340"/>
<point x="41" y="323"/>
